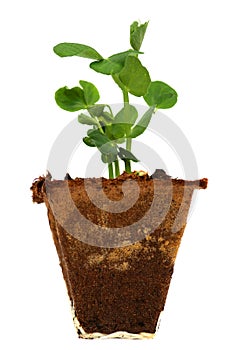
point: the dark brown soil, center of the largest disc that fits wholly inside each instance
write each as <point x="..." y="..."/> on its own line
<point x="117" y="280"/>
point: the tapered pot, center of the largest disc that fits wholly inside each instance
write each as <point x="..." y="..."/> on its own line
<point x="117" y="242"/>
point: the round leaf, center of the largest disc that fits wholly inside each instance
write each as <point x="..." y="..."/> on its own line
<point x="108" y="158"/>
<point x="109" y="148"/>
<point x="115" y="131"/>
<point x="127" y="115"/>
<point x="91" y="94"/>
<point x="160" y="95"/>
<point x="71" y="100"/>
<point x="135" y="77"/>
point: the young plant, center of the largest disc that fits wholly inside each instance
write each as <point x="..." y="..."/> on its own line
<point x="113" y="134"/>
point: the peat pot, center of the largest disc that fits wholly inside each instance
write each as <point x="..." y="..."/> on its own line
<point x="117" y="241"/>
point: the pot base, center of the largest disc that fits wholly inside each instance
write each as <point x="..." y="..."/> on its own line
<point x="116" y="335"/>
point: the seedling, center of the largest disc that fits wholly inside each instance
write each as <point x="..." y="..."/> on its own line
<point x="113" y="134"/>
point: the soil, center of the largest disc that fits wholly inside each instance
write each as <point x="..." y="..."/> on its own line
<point x="117" y="262"/>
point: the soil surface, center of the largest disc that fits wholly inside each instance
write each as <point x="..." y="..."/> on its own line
<point x="117" y="255"/>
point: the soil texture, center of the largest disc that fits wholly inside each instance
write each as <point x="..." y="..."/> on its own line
<point x="117" y="242"/>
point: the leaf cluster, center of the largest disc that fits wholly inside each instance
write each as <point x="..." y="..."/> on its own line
<point x="109" y="131"/>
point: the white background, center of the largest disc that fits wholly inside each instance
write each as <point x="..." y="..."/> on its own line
<point x="198" y="48"/>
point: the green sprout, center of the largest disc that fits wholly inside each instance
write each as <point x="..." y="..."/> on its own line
<point x="113" y="134"/>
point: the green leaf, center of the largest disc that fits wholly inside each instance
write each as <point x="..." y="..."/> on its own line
<point x="85" y="119"/>
<point x="108" y="158"/>
<point x="137" y="33"/>
<point x="112" y="64"/>
<point x="125" y="118"/>
<point x="106" y="66"/>
<point x="160" y="95"/>
<point x="71" y="100"/>
<point x="109" y="148"/>
<point x="121" y="56"/>
<point x="98" y="138"/>
<point x="143" y="123"/>
<point x="127" y="115"/>
<point x="72" y="49"/>
<point x="124" y="154"/>
<point x="117" y="80"/>
<point x="91" y="94"/>
<point x="104" y="121"/>
<point x="96" y="110"/>
<point x="135" y="77"/>
<point x="102" y="142"/>
<point x="115" y="131"/>
<point x="107" y="117"/>
<point x="89" y="142"/>
<point x="122" y="140"/>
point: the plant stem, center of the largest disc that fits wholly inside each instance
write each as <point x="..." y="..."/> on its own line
<point x="128" y="166"/>
<point x="99" y="126"/>
<point x="109" y="107"/>
<point x="117" y="168"/>
<point x="125" y="97"/>
<point x="126" y="104"/>
<point x="127" y="162"/>
<point x="110" y="170"/>
<point x="128" y="144"/>
<point x="128" y="140"/>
